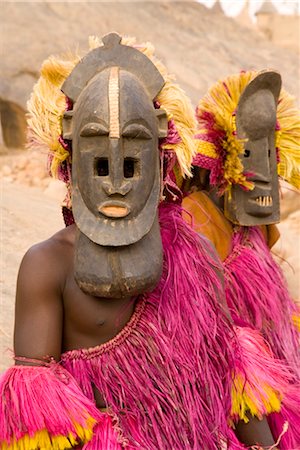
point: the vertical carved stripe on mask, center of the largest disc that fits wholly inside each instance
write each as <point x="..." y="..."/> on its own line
<point x="113" y="95"/>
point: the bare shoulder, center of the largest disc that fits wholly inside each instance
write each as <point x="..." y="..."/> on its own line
<point x="60" y="240"/>
<point x="52" y="249"/>
<point x="47" y="261"/>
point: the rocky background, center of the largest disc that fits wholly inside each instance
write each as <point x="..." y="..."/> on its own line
<point x="198" y="45"/>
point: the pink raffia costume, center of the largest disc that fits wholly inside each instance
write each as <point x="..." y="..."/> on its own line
<point x="178" y="375"/>
<point x="248" y="135"/>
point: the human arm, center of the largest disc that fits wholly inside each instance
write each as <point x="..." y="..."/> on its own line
<point x="41" y="404"/>
<point x="39" y="308"/>
<point x="255" y="432"/>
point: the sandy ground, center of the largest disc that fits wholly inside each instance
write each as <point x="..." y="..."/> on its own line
<point x="27" y="217"/>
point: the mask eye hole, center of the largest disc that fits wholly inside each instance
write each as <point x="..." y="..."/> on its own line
<point x="246" y="153"/>
<point x="101" y="167"/>
<point x="129" y="167"/>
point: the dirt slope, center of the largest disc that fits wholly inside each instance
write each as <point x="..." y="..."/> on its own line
<point x="198" y="45"/>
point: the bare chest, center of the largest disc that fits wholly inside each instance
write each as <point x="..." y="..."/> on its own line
<point x="91" y="321"/>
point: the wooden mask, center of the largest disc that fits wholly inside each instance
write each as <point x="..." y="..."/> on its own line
<point x="256" y="123"/>
<point x="114" y="129"/>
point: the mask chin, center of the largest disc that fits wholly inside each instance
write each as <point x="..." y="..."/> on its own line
<point x="116" y="272"/>
<point x="252" y="208"/>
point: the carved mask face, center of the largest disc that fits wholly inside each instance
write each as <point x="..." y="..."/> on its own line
<point x="256" y="121"/>
<point x="114" y="129"/>
<point x="115" y="159"/>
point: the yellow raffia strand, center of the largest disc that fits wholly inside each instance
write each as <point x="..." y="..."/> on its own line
<point x="233" y="167"/>
<point x="206" y="148"/>
<point x="85" y="434"/>
<point x="178" y="107"/>
<point x="296" y="321"/>
<point x="245" y="399"/>
<point x="222" y="100"/>
<point x="46" y="108"/>
<point x="288" y="139"/>
<point x="43" y="441"/>
<point x="47" y="105"/>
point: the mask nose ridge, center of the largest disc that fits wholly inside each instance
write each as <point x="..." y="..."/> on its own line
<point x="264" y="173"/>
<point x="123" y="188"/>
<point x="116" y="184"/>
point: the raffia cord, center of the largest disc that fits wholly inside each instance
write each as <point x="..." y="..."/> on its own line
<point x="47" y="105"/>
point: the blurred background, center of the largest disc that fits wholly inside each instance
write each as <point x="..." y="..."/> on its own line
<point x="199" y="42"/>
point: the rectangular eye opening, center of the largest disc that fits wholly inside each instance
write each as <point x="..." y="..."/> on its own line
<point x="131" y="167"/>
<point x="101" y="168"/>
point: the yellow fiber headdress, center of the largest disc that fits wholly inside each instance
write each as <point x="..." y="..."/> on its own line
<point x="218" y="147"/>
<point x="48" y="104"/>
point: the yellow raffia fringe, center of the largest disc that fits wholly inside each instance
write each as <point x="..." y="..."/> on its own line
<point x="47" y="105"/>
<point x="43" y="441"/>
<point x="207" y="148"/>
<point x="245" y="399"/>
<point x="288" y="139"/>
<point x="178" y="107"/>
<point x="222" y="103"/>
<point x="296" y="321"/>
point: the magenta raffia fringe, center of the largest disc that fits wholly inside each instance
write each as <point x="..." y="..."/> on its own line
<point x="265" y="380"/>
<point x="256" y="291"/>
<point x="167" y="375"/>
<point x="35" y="398"/>
<point x="105" y="437"/>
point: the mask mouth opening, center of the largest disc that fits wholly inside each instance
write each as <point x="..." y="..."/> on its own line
<point x="264" y="201"/>
<point x="260" y="206"/>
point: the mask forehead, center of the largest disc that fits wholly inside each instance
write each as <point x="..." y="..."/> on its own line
<point x="93" y="106"/>
<point x="255" y="124"/>
<point x="135" y="106"/>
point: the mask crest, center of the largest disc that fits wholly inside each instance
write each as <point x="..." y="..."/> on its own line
<point x="113" y="53"/>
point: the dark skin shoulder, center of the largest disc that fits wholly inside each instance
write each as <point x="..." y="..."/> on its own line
<point x="255" y="432"/>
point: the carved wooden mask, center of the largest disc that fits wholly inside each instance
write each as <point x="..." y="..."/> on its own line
<point x="114" y="129"/>
<point x="256" y="123"/>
